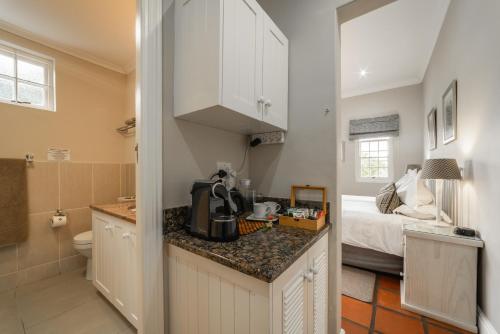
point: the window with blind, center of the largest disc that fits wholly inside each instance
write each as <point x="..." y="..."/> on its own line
<point x="26" y="78"/>
<point x="374" y="160"/>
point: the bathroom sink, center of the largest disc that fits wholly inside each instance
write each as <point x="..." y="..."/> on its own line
<point x="126" y="199"/>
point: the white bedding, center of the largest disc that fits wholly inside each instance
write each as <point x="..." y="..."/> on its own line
<point x="364" y="226"/>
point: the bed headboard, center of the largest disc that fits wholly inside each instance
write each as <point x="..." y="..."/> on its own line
<point x="451" y="198"/>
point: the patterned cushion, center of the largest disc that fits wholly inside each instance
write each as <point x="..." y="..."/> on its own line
<point x="387" y="199"/>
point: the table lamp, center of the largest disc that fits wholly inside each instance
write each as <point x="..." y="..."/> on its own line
<point x="440" y="170"/>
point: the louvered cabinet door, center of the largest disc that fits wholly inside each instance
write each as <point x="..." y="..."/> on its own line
<point x="290" y="299"/>
<point x="318" y="287"/>
<point x="295" y="306"/>
<point x="320" y="294"/>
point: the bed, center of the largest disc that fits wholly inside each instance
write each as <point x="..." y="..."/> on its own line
<point x="370" y="239"/>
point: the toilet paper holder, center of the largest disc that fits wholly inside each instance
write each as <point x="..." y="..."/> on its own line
<point x="59" y="219"/>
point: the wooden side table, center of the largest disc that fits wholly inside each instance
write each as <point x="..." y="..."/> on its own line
<point x="440" y="274"/>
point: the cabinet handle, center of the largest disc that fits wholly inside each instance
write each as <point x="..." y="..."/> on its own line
<point x="308" y="275"/>
<point x="314" y="270"/>
<point x="260" y="100"/>
<point x="108" y="227"/>
<point x="268" y="103"/>
<point x="126" y="235"/>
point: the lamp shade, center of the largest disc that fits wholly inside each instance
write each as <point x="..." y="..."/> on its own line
<point x="441" y="169"/>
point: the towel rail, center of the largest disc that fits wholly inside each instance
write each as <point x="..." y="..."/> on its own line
<point x="129" y="124"/>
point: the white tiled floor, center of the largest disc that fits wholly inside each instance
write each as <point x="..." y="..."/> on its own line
<point x="65" y="304"/>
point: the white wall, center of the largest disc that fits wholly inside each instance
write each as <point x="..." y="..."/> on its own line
<point x="190" y="151"/>
<point x="468" y="50"/>
<point x="408" y="147"/>
<point x="308" y="155"/>
<point x="90" y="105"/>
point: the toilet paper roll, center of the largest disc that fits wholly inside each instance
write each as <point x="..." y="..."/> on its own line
<point x="57" y="221"/>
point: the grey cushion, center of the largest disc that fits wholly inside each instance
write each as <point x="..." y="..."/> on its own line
<point x="387" y="198"/>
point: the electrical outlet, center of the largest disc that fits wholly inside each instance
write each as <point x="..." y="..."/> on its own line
<point x="229" y="180"/>
<point x="277" y="137"/>
<point x="225" y="166"/>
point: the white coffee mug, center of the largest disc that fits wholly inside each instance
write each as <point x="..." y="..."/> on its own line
<point x="275" y="207"/>
<point x="261" y="210"/>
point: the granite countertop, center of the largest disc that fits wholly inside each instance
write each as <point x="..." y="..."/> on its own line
<point x="265" y="254"/>
<point x="118" y="210"/>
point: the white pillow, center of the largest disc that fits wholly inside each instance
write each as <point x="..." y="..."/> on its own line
<point x="424" y="195"/>
<point x="424" y="212"/>
<point x="431" y="209"/>
<point x="406" y="178"/>
<point x="414" y="193"/>
<point x="404" y="188"/>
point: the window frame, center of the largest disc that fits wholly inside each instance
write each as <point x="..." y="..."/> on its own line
<point x="33" y="57"/>
<point x="390" y="161"/>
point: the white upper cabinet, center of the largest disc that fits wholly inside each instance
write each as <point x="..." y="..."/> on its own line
<point x="230" y="67"/>
<point x="275" y="75"/>
<point x="242" y="57"/>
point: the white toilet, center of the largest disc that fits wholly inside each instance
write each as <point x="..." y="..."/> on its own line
<point x="83" y="244"/>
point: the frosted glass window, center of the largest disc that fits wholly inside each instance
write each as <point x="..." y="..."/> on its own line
<point x="31" y="94"/>
<point x="7" y="64"/>
<point x="31" y="71"/>
<point x="7" y="90"/>
<point x="26" y="78"/>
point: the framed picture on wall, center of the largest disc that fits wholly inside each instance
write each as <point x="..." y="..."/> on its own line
<point x="432" y="128"/>
<point x="450" y="113"/>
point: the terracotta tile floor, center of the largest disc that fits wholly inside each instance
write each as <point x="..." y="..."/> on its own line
<point x="385" y="316"/>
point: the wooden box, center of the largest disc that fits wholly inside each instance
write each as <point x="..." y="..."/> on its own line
<point x="308" y="224"/>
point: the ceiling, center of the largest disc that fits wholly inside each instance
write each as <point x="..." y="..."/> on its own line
<point x="99" y="31"/>
<point x="392" y="45"/>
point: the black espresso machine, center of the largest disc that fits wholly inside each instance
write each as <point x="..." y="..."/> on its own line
<point x="214" y="212"/>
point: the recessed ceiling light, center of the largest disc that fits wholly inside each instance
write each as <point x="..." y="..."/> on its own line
<point x="363" y="73"/>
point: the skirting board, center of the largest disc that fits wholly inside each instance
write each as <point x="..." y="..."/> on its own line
<point x="485" y="326"/>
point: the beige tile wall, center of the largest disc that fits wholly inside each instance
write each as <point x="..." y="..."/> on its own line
<point x="71" y="186"/>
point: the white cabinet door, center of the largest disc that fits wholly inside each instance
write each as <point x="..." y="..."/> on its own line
<point x="318" y="288"/>
<point x="275" y="75"/>
<point x="290" y="299"/>
<point x="197" y="51"/>
<point x="125" y="271"/>
<point x="102" y="255"/>
<point x="242" y="57"/>
<point x="120" y="263"/>
<point x="114" y="256"/>
<point x="132" y="277"/>
<point x="295" y="306"/>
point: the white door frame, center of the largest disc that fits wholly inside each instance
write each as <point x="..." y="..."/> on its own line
<point x="346" y="10"/>
<point x="149" y="170"/>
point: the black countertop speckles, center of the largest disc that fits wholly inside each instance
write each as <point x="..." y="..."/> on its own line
<point x="265" y="254"/>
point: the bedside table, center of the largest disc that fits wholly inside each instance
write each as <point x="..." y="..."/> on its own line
<point x="440" y="274"/>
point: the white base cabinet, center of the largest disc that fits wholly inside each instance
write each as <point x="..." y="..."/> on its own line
<point x="114" y="254"/>
<point x="231" y="66"/>
<point x="440" y="275"/>
<point x="207" y="297"/>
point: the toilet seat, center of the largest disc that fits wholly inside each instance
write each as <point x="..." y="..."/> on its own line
<point x="84" y="238"/>
<point x="83" y="244"/>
